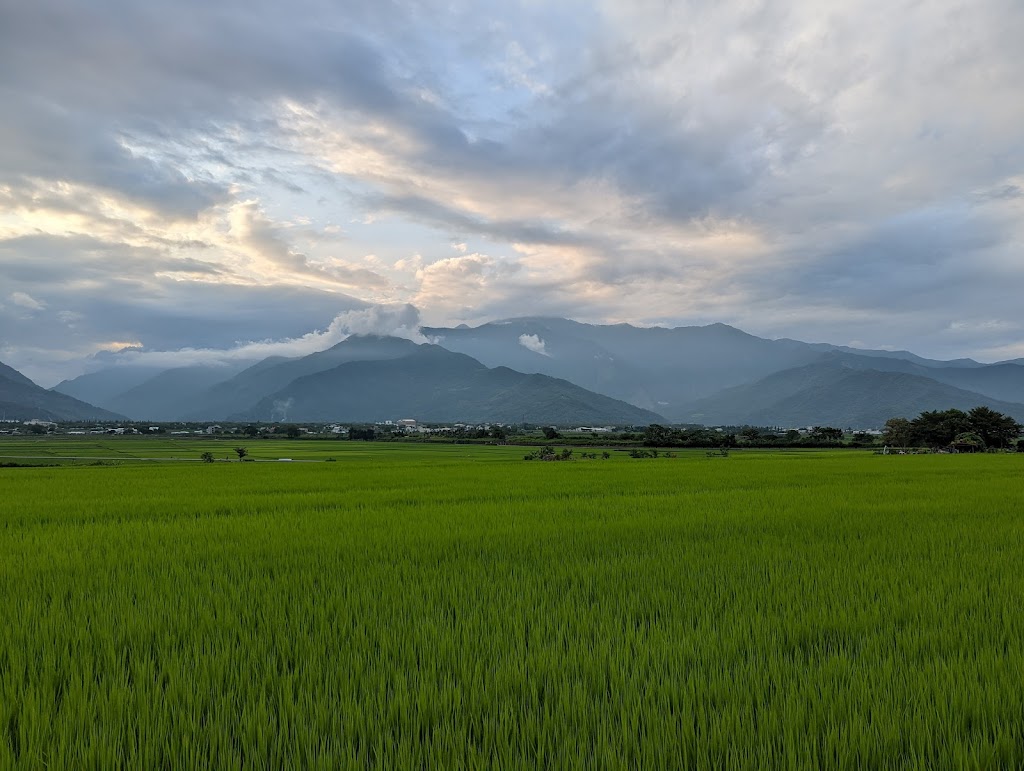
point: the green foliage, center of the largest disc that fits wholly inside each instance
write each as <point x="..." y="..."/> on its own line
<point x="664" y="436"/>
<point x="241" y="452"/>
<point x="968" y="439"/>
<point x="550" y="433"/>
<point x="548" y="453"/>
<point x="994" y="428"/>
<point x="451" y="607"/>
<point x="898" y="432"/>
<point x="827" y="434"/>
<point x="207" y="457"/>
<point x="940" y="428"/>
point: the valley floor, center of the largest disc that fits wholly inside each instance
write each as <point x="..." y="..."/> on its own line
<point x="453" y="606"/>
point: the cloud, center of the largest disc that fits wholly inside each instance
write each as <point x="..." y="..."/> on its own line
<point x="396" y="321"/>
<point x="782" y="165"/>
<point x="25" y="300"/>
<point x="533" y="343"/>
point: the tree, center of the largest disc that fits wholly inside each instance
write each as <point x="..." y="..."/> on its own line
<point x="898" y="432"/>
<point x="938" y="428"/>
<point x="550" y="433"/>
<point x="994" y="428"/>
<point x="656" y="435"/>
<point x="252" y="431"/>
<point x="293" y="432"/>
<point x="499" y="433"/>
<point x="241" y="452"/>
<point x="827" y="434"/>
<point x="969" y="439"/>
<point x="207" y="457"/>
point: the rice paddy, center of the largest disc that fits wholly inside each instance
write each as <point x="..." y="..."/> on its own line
<point x="456" y="607"/>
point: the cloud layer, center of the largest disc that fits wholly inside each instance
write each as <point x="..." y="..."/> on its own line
<point x="199" y="174"/>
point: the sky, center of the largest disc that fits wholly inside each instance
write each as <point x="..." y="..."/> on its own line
<point x="225" y="178"/>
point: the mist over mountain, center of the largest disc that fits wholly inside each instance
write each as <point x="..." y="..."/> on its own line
<point x="714" y="374"/>
<point x="21" y="399"/>
<point x="149" y="393"/>
<point x="276" y="372"/>
<point x="669" y="370"/>
<point x="108" y="384"/>
<point x="433" y="384"/>
<point x="174" y="392"/>
<point x="652" y="367"/>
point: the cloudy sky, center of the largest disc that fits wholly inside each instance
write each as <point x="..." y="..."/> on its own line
<point x="203" y="174"/>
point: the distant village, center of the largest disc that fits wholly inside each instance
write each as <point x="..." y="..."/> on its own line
<point x="401" y="427"/>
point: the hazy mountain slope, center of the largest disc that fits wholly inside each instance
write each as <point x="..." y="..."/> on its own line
<point x="102" y="387"/>
<point x="11" y="374"/>
<point x="898" y="355"/>
<point x="831" y="393"/>
<point x="1004" y="381"/>
<point x="21" y="399"/>
<point x="433" y="384"/>
<point x="272" y="374"/>
<point x="657" y="368"/>
<point x="170" y="394"/>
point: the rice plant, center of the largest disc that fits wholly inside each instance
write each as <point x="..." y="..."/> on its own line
<point x="453" y="607"/>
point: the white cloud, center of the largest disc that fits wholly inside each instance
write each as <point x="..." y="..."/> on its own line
<point x="533" y="343"/>
<point x="27" y="301"/>
<point x="395" y="321"/>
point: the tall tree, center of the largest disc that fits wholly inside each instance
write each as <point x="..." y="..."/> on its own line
<point x="994" y="428"/>
<point x="938" y="428"/>
<point x="898" y="432"/>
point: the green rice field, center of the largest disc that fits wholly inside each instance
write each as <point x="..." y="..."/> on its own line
<point x="457" y="607"/>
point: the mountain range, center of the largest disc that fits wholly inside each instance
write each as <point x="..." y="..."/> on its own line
<point x="552" y="370"/>
<point x="21" y="399"/>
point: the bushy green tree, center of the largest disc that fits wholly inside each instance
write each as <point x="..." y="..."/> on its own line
<point x="898" y="432"/>
<point x="938" y="428"/>
<point x="994" y="428"/>
<point x="969" y="439"/>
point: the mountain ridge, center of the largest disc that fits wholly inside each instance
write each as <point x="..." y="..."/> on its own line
<point x="22" y="399"/>
<point x="434" y="384"/>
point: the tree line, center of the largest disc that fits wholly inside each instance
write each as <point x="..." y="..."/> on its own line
<point x="979" y="429"/>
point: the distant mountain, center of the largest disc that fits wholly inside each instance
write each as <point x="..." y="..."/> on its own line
<point x="670" y="372"/>
<point x="171" y="394"/>
<point x="21" y="399"/>
<point x="104" y="386"/>
<point x="1003" y="381"/>
<point x="149" y="393"/>
<point x="656" y="368"/>
<point x="272" y="374"/>
<point x="834" y="393"/>
<point x="898" y="355"/>
<point x="666" y="370"/>
<point x="432" y="384"/>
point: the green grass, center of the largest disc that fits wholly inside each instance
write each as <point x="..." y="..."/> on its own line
<point x="456" y="607"/>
